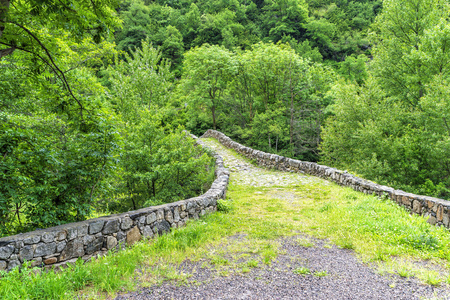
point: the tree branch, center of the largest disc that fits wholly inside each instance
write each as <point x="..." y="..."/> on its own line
<point x="50" y="62"/>
<point x="7" y="51"/>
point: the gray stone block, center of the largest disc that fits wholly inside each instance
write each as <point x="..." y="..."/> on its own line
<point x="74" y="248"/>
<point x="36" y="262"/>
<point x="147" y="231"/>
<point x="136" y="215"/>
<point x="111" y="242"/>
<point x="162" y="227"/>
<point x="417" y="207"/>
<point x="32" y="240"/>
<point x="169" y="216"/>
<point x="61" y="235"/>
<point x="121" y="236"/>
<point x="160" y="215"/>
<point x="18" y="245"/>
<point x="432" y="220"/>
<point x="6" y="251"/>
<point x="72" y="233"/>
<point x="60" y="246"/>
<point x="48" y="237"/>
<point x="111" y="226"/>
<point x="141" y="222"/>
<point x="27" y="252"/>
<point x="96" y="226"/>
<point x="14" y="263"/>
<point x="151" y="218"/>
<point x="126" y="223"/>
<point x="3" y="265"/>
<point x="44" y="249"/>
<point x="445" y="220"/>
<point x="87" y="239"/>
<point x="95" y="245"/>
<point x="176" y="214"/>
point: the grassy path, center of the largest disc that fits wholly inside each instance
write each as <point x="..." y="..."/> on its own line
<point x="278" y="236"/>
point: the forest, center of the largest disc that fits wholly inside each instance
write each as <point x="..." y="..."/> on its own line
<point x="96" y="96"/>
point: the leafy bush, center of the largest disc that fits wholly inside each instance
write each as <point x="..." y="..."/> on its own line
<point x="50" y="171"/>
<point x="225" y="206"/>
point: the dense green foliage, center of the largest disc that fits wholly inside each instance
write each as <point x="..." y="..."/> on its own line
<point x="268" y="96"/>
<point x="329" y="29"/>
<point x="54" y="150"/>
<point x="394" y="128"/>
<point x="70" y="145"/>
<point x="233" y="77"/>
<point x="23" y="25"/>
<point x="159" y="163"/>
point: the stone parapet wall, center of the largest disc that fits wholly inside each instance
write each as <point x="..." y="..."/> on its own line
<point x="56" y="246"/>
<point x="437" y="211"/>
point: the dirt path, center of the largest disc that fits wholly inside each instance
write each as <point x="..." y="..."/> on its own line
<point x="304" y="268"/>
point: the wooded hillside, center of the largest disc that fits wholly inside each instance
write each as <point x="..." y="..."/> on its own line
<point x="95" y="95"/>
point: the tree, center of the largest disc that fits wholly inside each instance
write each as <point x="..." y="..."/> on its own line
<point x="137" y="25"/>
<point x="142" y="79"/>
<point x="305" y="50"/>
<point x="20" y="22"/>
<point x="23" y="24"/>
<point x="276" y="100"/>
<point x="339" y="28"/>
<point x="403" y="63"/>
<point x="58" y="138"/>
<point x="173" y="46"/>
<point x="393" y="129"/>
<point x="284" y="18"/>
<point x="160" y="165"/>
<point x="354" y="68"/>
<point x="207" y="71"/>
<point x="158" y="162"/>
<point x="52" y="165"/>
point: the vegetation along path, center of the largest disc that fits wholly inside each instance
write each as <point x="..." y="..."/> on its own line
<point x="292" y="236"/>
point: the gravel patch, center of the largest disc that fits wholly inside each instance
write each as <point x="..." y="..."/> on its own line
<point x="346" y="278"/>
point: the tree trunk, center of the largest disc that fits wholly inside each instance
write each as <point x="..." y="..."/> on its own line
<point x="6" y="52"/>
<point x="291" y="121"/>
<point x="213" y="111"/>
<point x="154" y="188"/>
<point x="212" y="96"/>
<point x="4" y="7"/>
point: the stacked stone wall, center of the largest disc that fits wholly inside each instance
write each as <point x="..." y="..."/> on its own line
<point x="437" y="211"/>
<point x="56" y="246"/>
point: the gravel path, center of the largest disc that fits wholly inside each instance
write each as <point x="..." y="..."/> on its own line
<point x="244" y="173"/>
<point x="344" y="277"/>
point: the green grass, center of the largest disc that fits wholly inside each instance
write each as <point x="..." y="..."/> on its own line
<point x="252" y="263"/>
<point x="379" y="231"/>
<point x="320" y="273"/>
<point x="302" y="271"/>
<point x="305" y="242"/>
